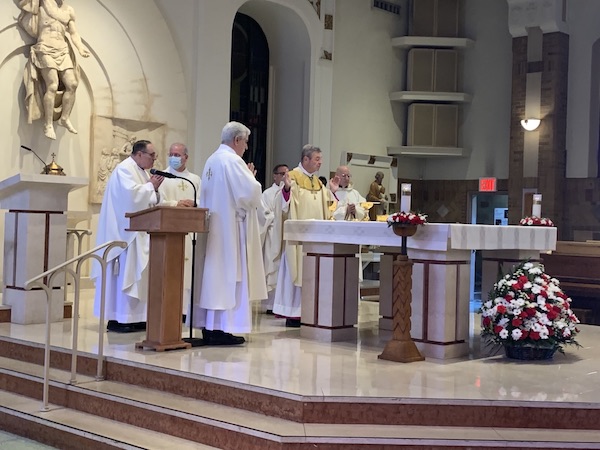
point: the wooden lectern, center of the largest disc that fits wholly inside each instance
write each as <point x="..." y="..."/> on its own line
<point x="167" y="226"/>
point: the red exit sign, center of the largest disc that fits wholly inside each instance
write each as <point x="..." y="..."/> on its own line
<point x="487" y="184"/>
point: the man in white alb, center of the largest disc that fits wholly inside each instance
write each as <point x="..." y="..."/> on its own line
<point x="129" y="189"/>
<point x="178" y="192"/>
<point x="233" y="270"/>
<point x="348" y="199"/>
<point x="271" y="233"/>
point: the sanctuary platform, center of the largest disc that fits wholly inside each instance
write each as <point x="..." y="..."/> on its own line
<point x="281" y="391"/>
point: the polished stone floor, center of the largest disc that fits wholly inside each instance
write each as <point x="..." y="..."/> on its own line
<point x="277" y="358"/>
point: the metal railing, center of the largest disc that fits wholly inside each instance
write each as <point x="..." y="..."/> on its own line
<point x="45" y="281"/>
<point x="75" y="236"/>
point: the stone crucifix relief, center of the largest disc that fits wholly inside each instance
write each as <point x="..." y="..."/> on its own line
<point x="51" y="73"/>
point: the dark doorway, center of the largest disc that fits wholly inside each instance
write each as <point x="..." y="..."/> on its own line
<point x="487" y="208"/>
<point x="250" y="87"/>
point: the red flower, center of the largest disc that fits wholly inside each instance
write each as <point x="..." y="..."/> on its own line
<point x="530" y="312"/>
<point x="498" y="329"/>
<point x="501" y="309"/>
<point x="516" y="322"/>
<point x="534" y="335"/>
<point x="552" y="314"/>
<point x="486" y="321"/>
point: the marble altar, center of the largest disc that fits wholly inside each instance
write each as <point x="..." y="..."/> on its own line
<point x="441" y="254"/>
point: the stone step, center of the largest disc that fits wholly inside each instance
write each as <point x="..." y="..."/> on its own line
<point x="328" y="410"/>
<point x="70" y="429"/>
<point x="225" y="427"/>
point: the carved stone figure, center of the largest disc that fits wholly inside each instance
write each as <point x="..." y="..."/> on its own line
<point x="51" y="74"/>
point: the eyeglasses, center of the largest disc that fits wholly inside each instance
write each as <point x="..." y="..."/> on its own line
<point x="151" y="155"/>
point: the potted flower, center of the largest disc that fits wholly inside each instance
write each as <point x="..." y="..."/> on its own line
<point x="534" y="221"/>
<point x="405" y="224"/>
<point x="528" y="314"/>
<point x="406" y="218"/>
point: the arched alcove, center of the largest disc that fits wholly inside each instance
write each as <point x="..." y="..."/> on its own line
<point x="133" y="82"/>
<point x="290" y="78"/>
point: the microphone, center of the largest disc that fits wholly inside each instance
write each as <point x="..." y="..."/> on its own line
<point x="164" y="174"/>
<point x="170" y="175"/>
<point x="38" y="157"/>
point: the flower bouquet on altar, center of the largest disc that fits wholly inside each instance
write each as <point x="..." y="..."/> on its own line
<point x="406" y="218"/>
<point x="528" y="314"/>
<point x="534" y="221"/>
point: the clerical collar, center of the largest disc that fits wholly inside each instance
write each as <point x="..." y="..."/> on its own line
<point x="305" y="172"/>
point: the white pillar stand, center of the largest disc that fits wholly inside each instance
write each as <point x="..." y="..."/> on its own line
<point x="34" y="240"/>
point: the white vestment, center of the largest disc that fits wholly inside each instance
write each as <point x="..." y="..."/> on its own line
<point x="308" y="199"/>
<point x="271" y="236"/>
<point x="128" y="190"/>
<point x="233" y="271"/>
<point x="171" y="191"/>
<point x="346" y="196"/>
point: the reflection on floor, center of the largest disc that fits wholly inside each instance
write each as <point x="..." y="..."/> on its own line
<point x="277" y="358"/>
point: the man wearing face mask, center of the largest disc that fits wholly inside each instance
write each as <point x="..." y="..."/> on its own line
<point x="174" y="192"/>
<point x="177" y="192"/>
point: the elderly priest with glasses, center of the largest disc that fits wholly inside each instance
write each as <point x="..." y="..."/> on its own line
<point x="130" y="188"/>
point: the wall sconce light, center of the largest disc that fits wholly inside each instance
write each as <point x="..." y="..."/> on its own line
<point x="530" y="124"/>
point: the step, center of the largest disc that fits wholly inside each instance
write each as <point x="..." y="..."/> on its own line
<point x="227" y="427"/>
<point x="330" y="409"/>
<point x="66" y="428"/>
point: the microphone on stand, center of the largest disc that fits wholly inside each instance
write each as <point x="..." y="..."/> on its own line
<point x="38" y="157"/>
<point x="195" y="342"/>
<point x="166" y="175"/>
<point x="170" y="175"/>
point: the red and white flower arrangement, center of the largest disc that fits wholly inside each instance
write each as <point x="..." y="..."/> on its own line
<point x="528" y="308"/>
<point x="406" y="218"/>
<point x="534" y="221"/>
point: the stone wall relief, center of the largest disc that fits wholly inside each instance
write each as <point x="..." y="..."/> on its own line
<point x="123" y="133"/>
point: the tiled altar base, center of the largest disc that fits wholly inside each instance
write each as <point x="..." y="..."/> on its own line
<point x="281" y="375"/>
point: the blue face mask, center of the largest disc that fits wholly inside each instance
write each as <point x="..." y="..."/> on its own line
<point x="175" y="162"/>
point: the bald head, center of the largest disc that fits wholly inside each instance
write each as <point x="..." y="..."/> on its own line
<point x="343" y="174"/>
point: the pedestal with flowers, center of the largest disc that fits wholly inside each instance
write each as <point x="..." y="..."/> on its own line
<point x="401" y="348"/>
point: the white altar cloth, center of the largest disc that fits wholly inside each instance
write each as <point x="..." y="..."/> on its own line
<point x="432" y="236"/>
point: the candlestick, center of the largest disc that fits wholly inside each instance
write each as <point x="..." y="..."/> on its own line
<point x="405" y="193"/>
<point x="536" y="208"/>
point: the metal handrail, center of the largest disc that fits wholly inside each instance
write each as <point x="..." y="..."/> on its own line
<point x="45" y="280"/>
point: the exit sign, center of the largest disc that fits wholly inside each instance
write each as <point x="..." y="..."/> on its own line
<point x="487" y="184"/>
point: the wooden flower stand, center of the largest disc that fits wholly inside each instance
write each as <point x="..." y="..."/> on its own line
<point x="401" y="347"/>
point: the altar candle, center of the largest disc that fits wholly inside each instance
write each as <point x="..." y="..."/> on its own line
<point x="405" y="197"/>
<point x="536" y="208"/>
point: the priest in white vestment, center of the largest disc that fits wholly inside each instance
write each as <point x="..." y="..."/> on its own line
<point x="271" y="233"/>
<point x="178" y="192"/>
<point x="233" y="269"/>
<point x="129" y="189"/>
<point x="348" y="199"/>
<point x="302" y="197"/>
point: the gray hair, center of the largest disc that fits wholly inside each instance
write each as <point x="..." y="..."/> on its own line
<point x="233" y="130"/>
<point x="180" y="145"/>
<point x="308" y="151"/>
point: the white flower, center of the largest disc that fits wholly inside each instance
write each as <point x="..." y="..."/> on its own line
<point x="503" y="334"/>
<point x="503" y="322"/>
<point x="488" y="304"/>
<point x="516" y="334"/>
<point x="528" y="266"/>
